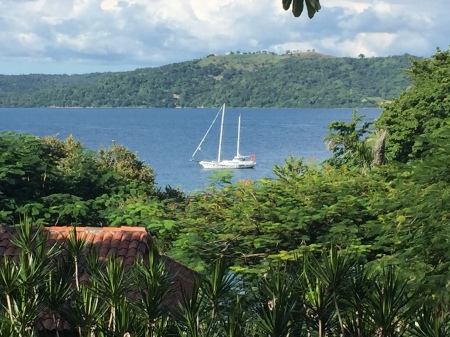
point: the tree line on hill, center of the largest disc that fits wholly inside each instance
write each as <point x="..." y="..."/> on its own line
<point x="349" y="247"/>
<point x="245" y="80"/>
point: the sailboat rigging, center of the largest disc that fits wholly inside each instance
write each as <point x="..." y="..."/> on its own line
<point x="238" y="162"/>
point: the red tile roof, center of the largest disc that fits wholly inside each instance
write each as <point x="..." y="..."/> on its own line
<point x="120" y="242"/>
<point x="127" y="243"/>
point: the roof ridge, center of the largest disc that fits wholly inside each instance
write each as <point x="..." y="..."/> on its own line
<point x="86" y="228"/>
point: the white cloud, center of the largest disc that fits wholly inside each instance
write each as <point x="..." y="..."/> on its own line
<point x="349" y="6"/>
<point x="85" y="35"/>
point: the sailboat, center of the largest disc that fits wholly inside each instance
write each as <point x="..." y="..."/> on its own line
<point x="238" y="162"/>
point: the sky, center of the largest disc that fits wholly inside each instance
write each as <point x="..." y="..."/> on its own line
<point x="86" y="36"/>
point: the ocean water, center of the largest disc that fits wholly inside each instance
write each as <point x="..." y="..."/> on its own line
<point x="167" y="138"/>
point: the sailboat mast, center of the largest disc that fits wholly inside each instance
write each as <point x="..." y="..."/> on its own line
<point x="221" y="133"/>
<point x="238" y="136"/>
<point x="206" y="134"/>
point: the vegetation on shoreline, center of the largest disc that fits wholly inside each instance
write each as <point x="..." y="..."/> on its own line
<point x="292" y="80"/>
<point x="321" y="243"/>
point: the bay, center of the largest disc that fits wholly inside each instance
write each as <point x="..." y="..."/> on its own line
<point x="166" y="138"/>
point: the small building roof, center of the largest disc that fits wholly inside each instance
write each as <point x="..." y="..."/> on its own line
<point x="121" y="242"/>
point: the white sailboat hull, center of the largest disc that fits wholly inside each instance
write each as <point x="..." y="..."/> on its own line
<point x="228" y="164"/>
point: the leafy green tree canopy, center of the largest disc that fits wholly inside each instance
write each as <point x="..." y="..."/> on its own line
<point x="420" y="110"/>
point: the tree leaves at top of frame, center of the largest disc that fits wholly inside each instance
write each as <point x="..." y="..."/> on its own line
<point x="298" y="6"/>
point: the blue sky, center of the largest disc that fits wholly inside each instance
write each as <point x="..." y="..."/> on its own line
<point x="84" y="36"/>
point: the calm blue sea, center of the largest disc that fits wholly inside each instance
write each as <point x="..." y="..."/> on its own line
<point x="166" y="138"/>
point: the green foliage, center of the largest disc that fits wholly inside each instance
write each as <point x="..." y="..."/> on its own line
<point x="256" y="79"/>
<point x="153" y="282"/>
<point x="278" y="218"/>
<point x="346" y="142"/>
<point x="119" y="159"/>
<point x="413" y="229"/>
<point x="431" y="321"/>
<point x="61" y="182"/>
<point x="329" y="294"/>
<point x="312" y="6"/>
<point x="276" y="305"/>
<point x="420" y="110"/>
<point x="388" y="304"/>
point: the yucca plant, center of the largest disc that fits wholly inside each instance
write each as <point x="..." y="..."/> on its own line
<point x="112" y="285"/>
<point x="334" y="270"/>
<point x="58" y="290"/>
<point x="219" y="288"/>
<point x="276" y="304"/>
<point x="75" y="247"/>
<point x="85" y="311"/>
<point x="6" y="328"/>
<point x="236" y="320"/>
<point x="9" y="275"/>
<point x="26" y="295"/>
<point x="318" y="301"/>
<point x="25" y="310"/>
<point x="354" y="300"/>
<point x="222" y="290"/>
<point x="431" y="321"/>
<point x="389" y="302"/>
<point x="125" y="322"/>
<point x="151" y="293"/>
<point x="192" y="320"/>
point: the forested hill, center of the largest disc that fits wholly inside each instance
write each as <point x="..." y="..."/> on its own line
<point x="291" y="80"/>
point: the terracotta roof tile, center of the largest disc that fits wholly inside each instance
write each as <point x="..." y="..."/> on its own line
<point x="122" y="252"/>
<point x="136" y="236"/>
<point x="128" y="261"/>
<point x="131" y="252"/>
<point x="107" y="238"/>
<point x="112" y="251"/>
<point x="134" y="244"/>
<point x="124" y="243"/>
<point x="11" y="251"/>
<point x="103" y="251"/>
<point x="87" y="237"/>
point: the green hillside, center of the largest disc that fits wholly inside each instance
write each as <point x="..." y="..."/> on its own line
<point x="292" y="80"/>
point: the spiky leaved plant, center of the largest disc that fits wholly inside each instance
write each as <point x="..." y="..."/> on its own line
<point x="317" y="299"/>
<point x="9" y="274"/>
<point x="389" y="303"/>
<point x="354" y="300"/>
<point x="334" y="270"/>
<point x="86" y="308"/>
<point x="58" y="290"/>
<point x="151" y="292"/>
<point x="236" y="319"/>
<point x="112" y="285"/>
<point x="222" y="290"/>
<point x="75" y="247"/>
<point x="192" y="318"/>
<point x="276" y="304"/>
<point x="432" y="320"/>
<point x="27" y="301"/>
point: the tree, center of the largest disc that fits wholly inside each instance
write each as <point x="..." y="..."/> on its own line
<point x="312" y="6"/>
<point x="119" y="159"/>
<point x="347" y="143"/>
<point x="420" y="110"/>
<point x="57" y="181"/>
